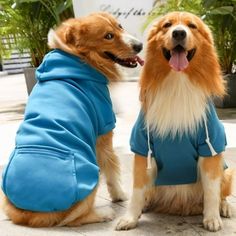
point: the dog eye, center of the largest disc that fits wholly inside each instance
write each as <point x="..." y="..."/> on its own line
<point x="120" y="26"/>
<point x="167" y="25"/>
<point x="191" y="25"/>
<point x="109" y="36"/>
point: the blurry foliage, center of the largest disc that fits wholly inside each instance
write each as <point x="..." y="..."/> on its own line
<point x="221" y="17"/>
<point x="162" y="7"/>
<point x="24" y="24"/>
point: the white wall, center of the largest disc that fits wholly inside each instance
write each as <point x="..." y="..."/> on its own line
<point x="131" y="13"/>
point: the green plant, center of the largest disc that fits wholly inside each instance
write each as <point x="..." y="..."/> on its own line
<point x="24" y="24"/>
<point x="162" y="7"/>
<point x="220" y="15"/>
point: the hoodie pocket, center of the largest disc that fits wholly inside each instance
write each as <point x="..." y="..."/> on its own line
<point x="41" y="179"/>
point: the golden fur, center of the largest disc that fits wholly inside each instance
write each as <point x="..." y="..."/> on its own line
<point x="177" y="97"/>
<point x="157" y="68"/>
<point x="84" y="37"/>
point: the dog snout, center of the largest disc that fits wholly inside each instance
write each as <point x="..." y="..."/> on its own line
<point x="132" y="42"/>
<point x="179" y="34"/>
<point x="137" y="47"/>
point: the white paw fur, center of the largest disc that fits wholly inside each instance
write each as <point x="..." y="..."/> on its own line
<point x="225" y="209"/>
<point x="212" y="223"/>
<point x="126" y="223"/>
<point x="106" y="214"/>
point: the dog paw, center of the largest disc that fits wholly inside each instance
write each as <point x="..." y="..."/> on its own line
<point x="225" y="209"/>
<point x="106" y="214"/>
<point x="213" y="223"/>
<point x="126" y="223"/>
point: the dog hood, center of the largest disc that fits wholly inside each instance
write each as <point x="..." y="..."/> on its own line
<point x="58" y="64"/>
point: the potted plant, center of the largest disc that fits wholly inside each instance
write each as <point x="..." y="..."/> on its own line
<point x="220" y="15"/>
<point x="25" y="24"/>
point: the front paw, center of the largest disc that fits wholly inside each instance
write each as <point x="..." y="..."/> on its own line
<point x="126" y="223"/>
<point x="212" y="223"/>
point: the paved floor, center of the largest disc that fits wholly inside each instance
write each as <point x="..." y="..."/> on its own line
<point x="13" y="97"/>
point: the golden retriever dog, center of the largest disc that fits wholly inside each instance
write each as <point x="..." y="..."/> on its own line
<point x="66" y="136"/>
<point x="178" y="139"/>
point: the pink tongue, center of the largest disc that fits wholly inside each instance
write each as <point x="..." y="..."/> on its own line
<point x="139" y="60"/>
<point x="178" y="61"/>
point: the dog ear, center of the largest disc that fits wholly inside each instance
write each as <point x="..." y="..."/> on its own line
<point x="68" y="35"/>
<point x="74" y="31"/>
<point x="155" y="29"/>
<point x="206" y="32"/>
<point x="152" y="34"/>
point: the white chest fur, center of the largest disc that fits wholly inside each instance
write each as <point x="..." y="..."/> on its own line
<point x="178" y="106"/>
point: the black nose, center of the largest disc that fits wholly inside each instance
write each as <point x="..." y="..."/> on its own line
<point x="138" y="47"/>
<point x="179" y="35"/>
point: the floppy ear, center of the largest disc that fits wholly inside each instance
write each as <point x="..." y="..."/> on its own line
<point x="207" y="34"/>
<point x="155" y="29"/>
<point x="74" y="32"/>
<point x="205" y="31"/>
<point x="69" y="35"/>
<point x="152" y="34"/>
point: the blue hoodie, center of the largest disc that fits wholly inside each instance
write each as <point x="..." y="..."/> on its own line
<point x="54" y="165"/>
<point x="177" y="158"/>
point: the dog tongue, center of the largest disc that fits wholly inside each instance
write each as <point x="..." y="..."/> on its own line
<point x="178" y="60"/>
<point x="139" y="60"/>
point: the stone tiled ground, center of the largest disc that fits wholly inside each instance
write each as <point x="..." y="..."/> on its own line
<point x="12" y="102"/>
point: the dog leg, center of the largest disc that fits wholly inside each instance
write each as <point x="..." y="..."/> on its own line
<point x="226" y="190"/>
<point x="225" y="209"/>
<point x="136" y="205"/>
<point x="211" y="170"/>
<point x="110" y="166"/>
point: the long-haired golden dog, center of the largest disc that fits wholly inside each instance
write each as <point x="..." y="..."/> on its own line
<point x="179" y="128"/>
<point x="94" y="44"/>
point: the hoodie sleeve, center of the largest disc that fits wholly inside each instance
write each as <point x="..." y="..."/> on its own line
<point x="99" y="95"/>
<point x="138" y="140"/>
<point x="214" y="130"/>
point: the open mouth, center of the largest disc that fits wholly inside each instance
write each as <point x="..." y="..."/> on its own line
<point x="178" y="57"/>
<point x="130" y="62"/>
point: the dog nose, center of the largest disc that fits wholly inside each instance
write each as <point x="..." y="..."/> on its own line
<point x="138" y="47"/>
<point x="179" y="35"/>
